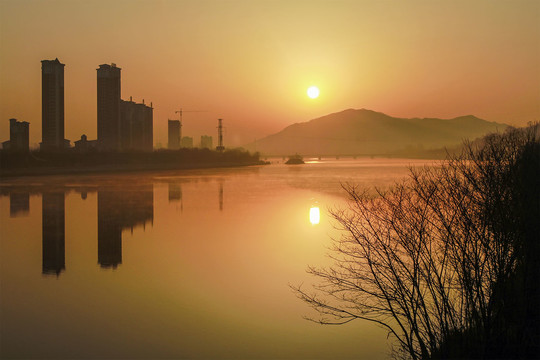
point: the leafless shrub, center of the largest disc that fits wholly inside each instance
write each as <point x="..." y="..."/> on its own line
<point x="447" y="261"/>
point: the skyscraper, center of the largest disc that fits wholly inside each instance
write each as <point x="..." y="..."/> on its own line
<point x="174" y="134"/>
<point x="52" y="104"/>
<point x="18" y="135"/>
<point x="108" y="107"/>
<point x="136" y="126"/>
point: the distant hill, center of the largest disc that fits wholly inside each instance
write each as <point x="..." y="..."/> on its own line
<point x="366" y="132"/>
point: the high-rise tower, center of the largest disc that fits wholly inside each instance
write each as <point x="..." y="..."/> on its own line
<point x="175" y="135"/>
<point x="18" y="135"/>
<point x="52" y="104"/>
<point x="136" y="126"/>
<point x="108" y="107"/>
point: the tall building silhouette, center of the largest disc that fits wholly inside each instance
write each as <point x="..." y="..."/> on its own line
<point x="174" y="134"/>
<point x="18" y="136"/>
<point x="53" y="233"/>
<point x="136" y="126"/>
<point x="108" y="107"/>
<point x="52" y="104"/>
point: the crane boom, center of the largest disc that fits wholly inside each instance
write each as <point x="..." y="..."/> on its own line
<point x="181" y="111"/>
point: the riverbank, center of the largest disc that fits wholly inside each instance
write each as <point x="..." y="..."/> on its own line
<point x="108" y="169"/>
<point x="69" y="163"/>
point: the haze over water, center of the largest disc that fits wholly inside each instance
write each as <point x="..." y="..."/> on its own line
<point x="192" y="264"/>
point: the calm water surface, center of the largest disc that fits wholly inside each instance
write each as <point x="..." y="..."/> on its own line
<point x="186" y="264"/>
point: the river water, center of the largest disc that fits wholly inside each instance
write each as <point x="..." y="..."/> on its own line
<point x="181" y="264"/>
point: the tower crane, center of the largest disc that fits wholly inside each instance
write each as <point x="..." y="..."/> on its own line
<point x="183" y="111"/>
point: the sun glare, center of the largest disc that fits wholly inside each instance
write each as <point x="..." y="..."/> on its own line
<point x="313" y="92"/>
<point x="314" y="215"/>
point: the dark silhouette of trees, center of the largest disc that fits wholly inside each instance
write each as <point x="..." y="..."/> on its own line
<point x="448" y="261"/>
<point x="40" y="162"/>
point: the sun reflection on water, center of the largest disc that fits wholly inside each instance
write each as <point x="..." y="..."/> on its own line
<point x="314" y="215"/>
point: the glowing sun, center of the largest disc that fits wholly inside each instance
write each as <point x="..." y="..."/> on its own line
<point x="313" y="92"/>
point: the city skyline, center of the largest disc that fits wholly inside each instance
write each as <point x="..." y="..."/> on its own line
<point x="251" y="63"/>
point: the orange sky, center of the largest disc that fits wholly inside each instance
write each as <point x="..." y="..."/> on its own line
<point x="250" y="62"/>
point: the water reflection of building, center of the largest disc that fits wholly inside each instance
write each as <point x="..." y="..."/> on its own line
<point x="119" y="209"/>
<point x="175" y="194"/>
<point x="53" y="233"/>
<point x="175" y="191"/>
<point x="19" y="204"/>
<point x="221" y="195"/>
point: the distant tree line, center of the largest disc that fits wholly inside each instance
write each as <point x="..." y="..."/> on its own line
<point x="448" y="261"/>
<point x="166" y="158"/>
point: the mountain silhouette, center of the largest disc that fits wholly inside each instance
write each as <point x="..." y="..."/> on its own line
<point x="366" y="132"/>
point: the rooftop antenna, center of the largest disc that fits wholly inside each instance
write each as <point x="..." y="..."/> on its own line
<point x="220" y="146"/>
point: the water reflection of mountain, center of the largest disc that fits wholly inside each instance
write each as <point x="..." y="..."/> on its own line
<point x="121" y="208"/>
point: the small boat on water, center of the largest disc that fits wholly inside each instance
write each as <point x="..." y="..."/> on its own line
<point x="295" y="160"/>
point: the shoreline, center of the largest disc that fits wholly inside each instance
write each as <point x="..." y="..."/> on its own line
<point x="113" y="168"/>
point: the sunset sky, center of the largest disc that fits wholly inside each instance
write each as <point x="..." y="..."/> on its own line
<point x="250" y="62"/>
